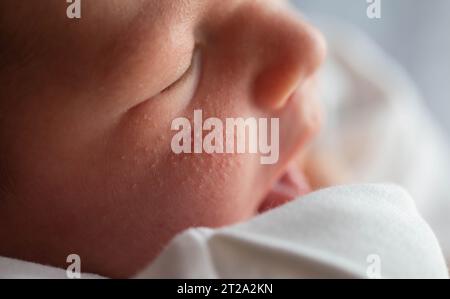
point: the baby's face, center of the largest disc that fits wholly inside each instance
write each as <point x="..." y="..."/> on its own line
<point x="86" y="118"/>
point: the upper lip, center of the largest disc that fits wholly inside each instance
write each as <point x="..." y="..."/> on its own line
<point x="283" y="170"/>
<point x="285" y="188"/>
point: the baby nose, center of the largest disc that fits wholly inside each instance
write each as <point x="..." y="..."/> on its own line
<point x="289" y="52"/>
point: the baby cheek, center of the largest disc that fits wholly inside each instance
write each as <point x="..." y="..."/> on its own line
<point x="179" y="190"/>
<point x="206" y="188"/>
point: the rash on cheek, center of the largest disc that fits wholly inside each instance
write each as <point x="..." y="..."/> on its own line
<point x="206" y="175"/>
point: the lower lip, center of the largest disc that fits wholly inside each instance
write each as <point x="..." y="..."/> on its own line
<point x="291" y="185"/>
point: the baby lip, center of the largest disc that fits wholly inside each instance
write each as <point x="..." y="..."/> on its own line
<point x="296" y="179"/>
<point x="290" y="186"/>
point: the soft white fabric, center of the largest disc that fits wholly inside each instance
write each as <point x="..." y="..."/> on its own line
<point x="378" y="127"/>
<point x="333" y="233"/>
<point x="16" y="269"/>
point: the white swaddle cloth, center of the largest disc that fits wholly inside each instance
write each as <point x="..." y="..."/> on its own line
<point x="365" y="231"/>
<point x="17" y="269"/>
<point x="360" y="231"/>
<point x="379" y="128"/>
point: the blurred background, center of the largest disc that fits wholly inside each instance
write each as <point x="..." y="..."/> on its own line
<point x="414" y="32"/>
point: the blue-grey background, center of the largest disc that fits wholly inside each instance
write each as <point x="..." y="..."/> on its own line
<point x="414" y="32"/>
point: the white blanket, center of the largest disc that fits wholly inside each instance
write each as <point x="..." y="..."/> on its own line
<point x="365" y="231"/>
<point x="16" y="269"/>
<point x="360" y="231"/>
<point x="379" y="128"/>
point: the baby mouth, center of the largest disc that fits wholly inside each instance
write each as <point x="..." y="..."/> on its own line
<point x="292" y="184"/>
